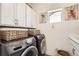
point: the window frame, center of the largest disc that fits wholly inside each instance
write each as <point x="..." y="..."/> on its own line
<point x="54" y="11"/>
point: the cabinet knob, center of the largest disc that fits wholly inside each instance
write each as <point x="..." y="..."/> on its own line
<point x="16" y="22"/>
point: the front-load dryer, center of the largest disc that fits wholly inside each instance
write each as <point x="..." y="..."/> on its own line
<point x="25" y="47"/>
<point x="41" y="44"/>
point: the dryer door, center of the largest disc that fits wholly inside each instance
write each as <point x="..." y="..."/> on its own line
<point x="30" y="51"/>
<point x="43" y="46"/>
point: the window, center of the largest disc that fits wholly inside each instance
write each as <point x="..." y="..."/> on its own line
<point x="55" y="16"/>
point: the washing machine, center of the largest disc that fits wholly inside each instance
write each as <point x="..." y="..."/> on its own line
<point x="41" y="44"/>
<point x="24" y="47"/>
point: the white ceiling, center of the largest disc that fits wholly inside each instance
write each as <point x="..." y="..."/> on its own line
<point x="44" y="7"/>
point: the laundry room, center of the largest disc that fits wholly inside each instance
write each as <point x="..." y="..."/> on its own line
<point x="39" y="29"/>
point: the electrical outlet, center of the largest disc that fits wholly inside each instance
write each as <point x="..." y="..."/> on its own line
<point x="52" y="25"/>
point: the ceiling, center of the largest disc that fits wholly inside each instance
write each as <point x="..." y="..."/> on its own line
<point x="44" y="7"/>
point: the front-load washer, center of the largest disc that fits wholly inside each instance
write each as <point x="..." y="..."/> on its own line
<point x="41" y="44"/>
<point x="25" y="47"/>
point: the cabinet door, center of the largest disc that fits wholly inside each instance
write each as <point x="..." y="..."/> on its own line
<point x="29" y="17"/>
<point x="7" y="13"/>
<point x="20" y="13"/>
<point x="34" y="19"/>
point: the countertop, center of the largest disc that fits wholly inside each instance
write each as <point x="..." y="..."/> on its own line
<point x="10" y="26"/>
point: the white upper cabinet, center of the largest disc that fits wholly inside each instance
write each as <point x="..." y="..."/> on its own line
<point x="7" y="13"/>
<point x="20" y="14"/>
<point x="29" y="16"/>
<point x="13" y="14"/>
<point x="17" y="14"/>
<point x="34" y="19"/>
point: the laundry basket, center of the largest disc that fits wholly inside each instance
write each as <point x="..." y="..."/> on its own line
<point x="8" y="35"/>
<point x="63" y="53"/>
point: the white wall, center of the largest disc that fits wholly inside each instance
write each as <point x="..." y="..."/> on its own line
<point x="57" y="34"/>
<point x="56" y="37"/>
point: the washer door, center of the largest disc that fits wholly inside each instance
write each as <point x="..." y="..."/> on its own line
<point x="43" y="46"/>
<point x="30" y="51"/>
